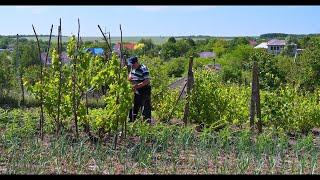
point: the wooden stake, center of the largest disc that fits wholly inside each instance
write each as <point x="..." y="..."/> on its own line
<point x="41" y="82"/>
<point x="189" y="87"/>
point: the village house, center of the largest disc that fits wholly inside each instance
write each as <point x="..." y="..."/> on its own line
<point x="95" y="51"/>
<point x="129" y="46"/>
<point x="275" y="46"/>
<point x="64" y="58"/>
<point x="207" y="54"/>
<point x="252" y="43"/>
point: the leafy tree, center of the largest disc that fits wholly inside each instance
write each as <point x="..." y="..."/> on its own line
<point x="309" y="65"/>
<point x="235" y="63"/>
<point x="287" y="69"/>
<point x="290" y="46"/>
<point x="191" y="42"/>
<point x="269" y="75"/>
<point x="4" y="42"/>
<point x="176" y="67"/>
<point x="171" y="40"/>
<point x="169" y="50"/>
<point x="147" y="48"/>
<point x="182" y="47"/>
<point x="238" y="41"/>
<point x="28" y="55"/>
<point x="7" y="78"/>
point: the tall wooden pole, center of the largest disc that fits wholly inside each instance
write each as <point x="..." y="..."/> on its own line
<point x="189" y="87"/>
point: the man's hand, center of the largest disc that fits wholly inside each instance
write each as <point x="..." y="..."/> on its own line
<point x="140" y="85"/>
<point x="129" y="78"/>
<point x="136" y="86"/>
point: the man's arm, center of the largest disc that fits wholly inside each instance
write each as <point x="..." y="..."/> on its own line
<point x="142" y="84"/>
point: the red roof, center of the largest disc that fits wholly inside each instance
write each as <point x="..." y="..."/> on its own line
<point x="253" y="42"/>
<point x="129" y="46"/>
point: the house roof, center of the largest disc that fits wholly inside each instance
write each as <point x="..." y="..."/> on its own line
<point x="64" y="58"/>
<point x="129" y="46"/>
<point x="207" y="54"/>
<point x="95" y="51"/>
<point x="262" y="45"/>
<point x="252" y="42"/>
<point x="276" y="42"/>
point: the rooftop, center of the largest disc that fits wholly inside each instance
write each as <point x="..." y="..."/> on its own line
<point x="276" y="42"/>
<point x="262" y="45"/>
<point x="207" y="54"/>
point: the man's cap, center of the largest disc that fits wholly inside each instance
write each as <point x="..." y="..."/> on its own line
<point x="132" y="60"/>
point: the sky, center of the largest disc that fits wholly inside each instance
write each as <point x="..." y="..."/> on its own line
<point x="161" y="20"/>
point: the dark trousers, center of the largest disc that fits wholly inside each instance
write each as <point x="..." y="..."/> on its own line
<point x="141" y="101"/>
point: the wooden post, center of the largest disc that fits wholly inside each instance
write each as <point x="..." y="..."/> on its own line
<point x="255" y="98"/>
<point x="258" y="109"/>
<point x="41" y="82"/>
<point x="118" y="98"/>
<point x="74" y="81"/>
<point x="175" y="104"/>
<point x="49" y="45"/>
<point x="86" y="124"/>
<point x="59" y="124"/>
<point x="20" y="71"/>
<point x="109" y="46"/>
<point x="189" y="87"/>
<point x="252" y="104"/>
<point x="121" y="47"/>
<point x="109" y="38"/>
<point x="122" y="63"/>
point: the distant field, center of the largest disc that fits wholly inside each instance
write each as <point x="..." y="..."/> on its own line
<point x="133" y="39"/>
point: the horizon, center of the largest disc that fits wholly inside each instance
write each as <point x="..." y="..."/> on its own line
<point x="200" y="35"/>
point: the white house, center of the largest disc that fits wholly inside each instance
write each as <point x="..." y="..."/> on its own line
<point x="275" y="46"/>
<point x="262" y="46"/>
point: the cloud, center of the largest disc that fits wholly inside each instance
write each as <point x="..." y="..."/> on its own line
<point x="33" y="9"/>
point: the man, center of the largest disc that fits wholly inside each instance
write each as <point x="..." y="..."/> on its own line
<point x="139" y="76"/>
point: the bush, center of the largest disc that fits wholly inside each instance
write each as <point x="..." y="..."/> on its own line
<point x="168" y="105"/>
<point x="286" y="109"/>
<point x="216" y="104"/>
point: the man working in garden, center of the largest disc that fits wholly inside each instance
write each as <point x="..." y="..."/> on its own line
<point x="139" y="76"/>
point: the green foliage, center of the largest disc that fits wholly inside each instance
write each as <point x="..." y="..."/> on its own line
<point x="159" y="78"/>
<point x="218" y="46"/>
<point x="309" y="66"/>
<point x="269" y="75"/>
<point x="168" y="108"/>
<point x="91" y="72"/>
<point x="236" y="63"/>
<point x="237" y="41"/>
<point x="171" y="40"/>
<point x="287" y="69"/>
<point x="214" y="104"/>
<point x="26" y="55"/>
<point x="169" y="50"/>
<point x="286" y="109"/>
<point x="148" y="49"/>
<point x="120" y="96"/>
<point x="7" y="74"/>
<point x="198" y="63"/>
<point x="289" y="48"/>
<point x="176" y="67"/>
<point x="180" y="48"/>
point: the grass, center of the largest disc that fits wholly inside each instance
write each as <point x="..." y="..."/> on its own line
<point x="159" y="149"/>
